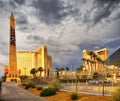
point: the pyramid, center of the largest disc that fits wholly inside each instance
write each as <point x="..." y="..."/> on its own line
<point x="114" y="59"/>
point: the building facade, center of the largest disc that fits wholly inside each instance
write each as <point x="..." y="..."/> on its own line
<point x="93" y="61"/>
<point x="27" y="60"/>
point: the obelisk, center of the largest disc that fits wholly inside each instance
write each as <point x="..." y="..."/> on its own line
<point x="12" y="52"/>
<point x="12" y="48"/>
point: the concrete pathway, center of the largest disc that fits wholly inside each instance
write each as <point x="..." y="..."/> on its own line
<point x="11" y="92"/>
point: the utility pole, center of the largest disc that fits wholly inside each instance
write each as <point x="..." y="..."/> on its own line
<point x="103" y="84"/>
<point x="76" y="82"/>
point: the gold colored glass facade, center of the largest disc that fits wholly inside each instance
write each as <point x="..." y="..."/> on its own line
<point x="27" y="60"/>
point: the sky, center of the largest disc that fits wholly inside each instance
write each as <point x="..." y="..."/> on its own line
<point x="65" y="26"/>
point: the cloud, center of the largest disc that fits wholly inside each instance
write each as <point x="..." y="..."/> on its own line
<point x="49" y="11"/>
<point x="20" y="2"/>
<point x="104" y="9"/>
<point x="65" y="26"/>
<point x="21" y="20"/>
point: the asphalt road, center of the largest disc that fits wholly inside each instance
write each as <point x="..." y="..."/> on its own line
<point x="11" y="92"/>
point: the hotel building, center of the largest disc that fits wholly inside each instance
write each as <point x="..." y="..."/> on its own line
<point x="26" y="60"/>
<point x="93" y="60"/>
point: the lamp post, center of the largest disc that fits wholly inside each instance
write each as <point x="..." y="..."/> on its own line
<point x="72" y="67"/>
<point x="76" y="81"/>
<point x="72" y="71"/>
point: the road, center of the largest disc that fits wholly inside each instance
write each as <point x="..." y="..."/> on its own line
<point x="11" y="92"/>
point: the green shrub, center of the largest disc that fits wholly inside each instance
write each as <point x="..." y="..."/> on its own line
<point x="74" y="96"/>
<point x="56" y="85"/>
<point x="30" y="84"/>
<point x="48" y="92"/>
<point x="39" y="87"/>
<point x="116" y="95"/>
<point x="27" y="87"/>
<point x="23" y="84"/>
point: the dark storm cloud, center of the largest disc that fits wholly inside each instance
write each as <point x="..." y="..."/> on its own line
<point x="92" y="13"/>
<point x="12" y="4"/>
<point x="21" y="20"/>
<point x="16" y="3"/>
<point x="20" y="2"/>
<point x="49" y="11"/>
<point x="105" y="8"/>
<point x="1" y="4"/>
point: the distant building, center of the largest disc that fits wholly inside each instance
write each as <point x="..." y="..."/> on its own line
<point x="114" y="59"/>
<point x="92" y="59"/>
<point x="27" y="60"/>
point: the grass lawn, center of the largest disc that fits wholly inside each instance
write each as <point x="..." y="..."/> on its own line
<point x="65" y="96"/>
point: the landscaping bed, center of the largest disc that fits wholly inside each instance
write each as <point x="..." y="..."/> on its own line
<point x="65" y="96"/>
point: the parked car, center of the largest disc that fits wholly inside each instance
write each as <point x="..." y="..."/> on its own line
<point x="99" y="81"/>
<point x="105" y="81"/>
<point x="93" y="81"/>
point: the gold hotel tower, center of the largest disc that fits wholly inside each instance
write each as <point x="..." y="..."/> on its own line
<point x="26" y="60"/>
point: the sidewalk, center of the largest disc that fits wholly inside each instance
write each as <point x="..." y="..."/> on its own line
<point x="11" y="92"/>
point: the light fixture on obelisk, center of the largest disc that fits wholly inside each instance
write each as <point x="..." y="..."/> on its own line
<point x="12" y="52"/>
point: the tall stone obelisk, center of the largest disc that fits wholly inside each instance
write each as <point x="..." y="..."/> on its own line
<point x="12" y="52"/>
<point x="12" y="48"/>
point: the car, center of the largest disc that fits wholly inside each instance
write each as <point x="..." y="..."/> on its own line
<point x="99" y="81"/>
<point x="105" y="81"/>
<point x="93" y="81"/>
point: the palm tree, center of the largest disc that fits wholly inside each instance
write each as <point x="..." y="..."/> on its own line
<point x="67" y="69"/>
<point x="79" y="69"/>
<point x="87" y="61"/>
<point x="91" y="53"/>
<point x="91" y="65"/>
<point x="40" y="69"/>
<point x="57" y="72"/>
<point x="83" y="60"/>
<point x="99" y="62"/>
<point x="61" y="69"/>
<point x="94" y="59"/>
<point x="94" y="65"/>
<point x="33" y="71"/>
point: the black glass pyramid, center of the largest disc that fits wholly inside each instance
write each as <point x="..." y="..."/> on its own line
<point x="114" y="59"/>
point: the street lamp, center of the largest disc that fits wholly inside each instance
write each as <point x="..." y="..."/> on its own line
<point x="72" y="70"/>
